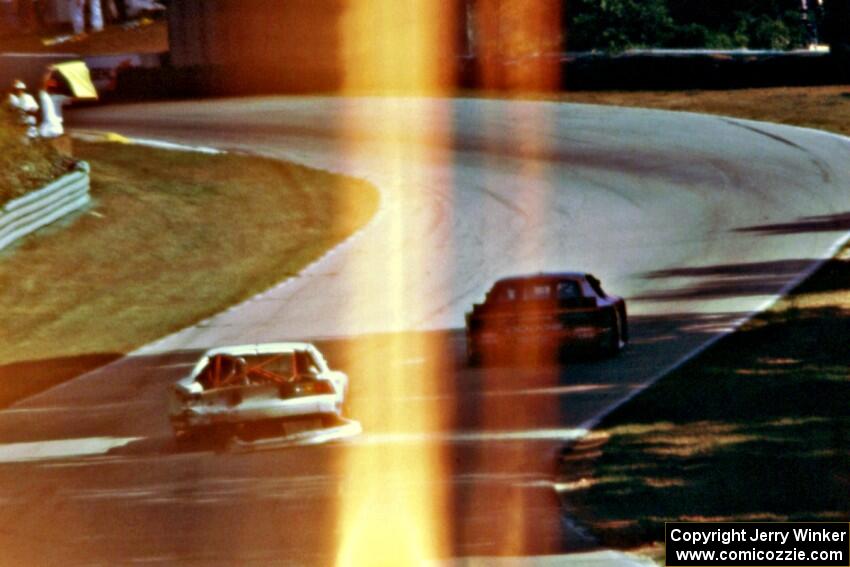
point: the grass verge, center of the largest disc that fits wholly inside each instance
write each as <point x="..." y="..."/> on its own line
<point x="755" y="429"/>
<point x="172" y="238"/>
<point x="824" y="108"/>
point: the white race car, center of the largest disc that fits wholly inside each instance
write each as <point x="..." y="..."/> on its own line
<point x="261" y="394"/>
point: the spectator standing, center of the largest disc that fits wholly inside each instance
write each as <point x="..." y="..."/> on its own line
<point x="51" y="108"/>
<point x="24" y="104"/>
<point x="78" y="15"/>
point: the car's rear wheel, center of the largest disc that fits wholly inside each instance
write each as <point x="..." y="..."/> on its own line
<point x="615" y="342"/>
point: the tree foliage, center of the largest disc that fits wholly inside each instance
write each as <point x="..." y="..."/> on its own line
<point x="617" y="24"/>
<point x="621" y="24"/>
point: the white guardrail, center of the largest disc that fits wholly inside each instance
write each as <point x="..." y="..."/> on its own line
<point x="34" y="210"/>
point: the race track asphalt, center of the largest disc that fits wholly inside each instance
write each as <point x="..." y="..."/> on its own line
<point x="696" y="220"/>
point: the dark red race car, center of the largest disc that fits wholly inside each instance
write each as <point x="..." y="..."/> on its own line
<point x="546" y="313"/>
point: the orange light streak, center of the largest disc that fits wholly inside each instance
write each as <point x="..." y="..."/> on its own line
<point x="518" y="47"/>
<point x="395" y="508"/>
<point x="393" y="505"/>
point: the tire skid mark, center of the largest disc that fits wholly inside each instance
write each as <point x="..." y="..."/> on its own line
<point x="826" y="177"/>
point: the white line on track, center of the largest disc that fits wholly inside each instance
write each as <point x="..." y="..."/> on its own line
<point x="111" y="137"/>
<point x="63" y="448"/>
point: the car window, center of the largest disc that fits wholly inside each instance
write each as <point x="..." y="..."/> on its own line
<point x="568" y="289"/>
<point x="505" y="293"/>
<point x="596" y="286"/>
<point x="312" y="361"/>
<point x="280" y="364"/>
<point x="219" y="369"/>
<point x="537" y="292"/>
<point x="304" y="362"/>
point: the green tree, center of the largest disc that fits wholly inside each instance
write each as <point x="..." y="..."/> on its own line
<point x="617" y="24"/>
<point x="621" y="24"/>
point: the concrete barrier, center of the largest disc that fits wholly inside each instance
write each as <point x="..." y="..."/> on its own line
<point x="34" y="210"/>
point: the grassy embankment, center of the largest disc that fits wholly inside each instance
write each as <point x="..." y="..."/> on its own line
<point x="824" y="108"/>
<point x="756" y="428"/>
<point x="26" y="164"/>
<point x="172" y="237"/>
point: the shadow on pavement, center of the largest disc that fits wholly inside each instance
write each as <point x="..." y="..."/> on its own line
<point x="820" y="223"/>
<point x="25" y="378"/>
<point x="739" y="280"/>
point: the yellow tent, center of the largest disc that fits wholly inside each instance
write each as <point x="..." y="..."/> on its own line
<point x="79" y="79"/>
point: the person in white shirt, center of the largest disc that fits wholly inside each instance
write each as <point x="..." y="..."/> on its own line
<point x="26" y="107"/>
<point x="51" y="116"/>
<point x="51" y="108"/>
